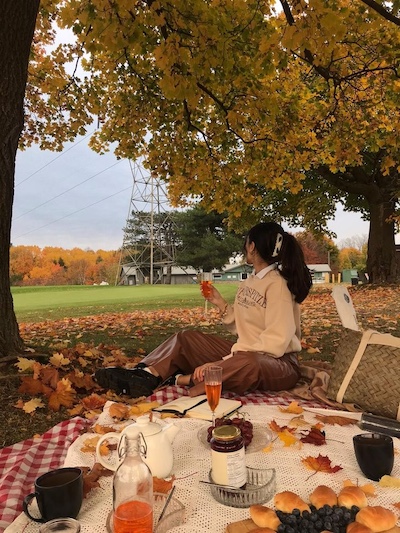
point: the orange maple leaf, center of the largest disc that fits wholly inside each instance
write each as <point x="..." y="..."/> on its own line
<point x="322" y="463"/>
<point x="94" y="401"/>
<point x="278" y="429"/>
<point x="82" y="381"/>
<point x="50" y="376"/>
<point x="64" y="395"/>
<point x="91" y="477"/>
<point x="119" y="411"/>
<point x="162" y="485"/>
<point x="32" y="386"/>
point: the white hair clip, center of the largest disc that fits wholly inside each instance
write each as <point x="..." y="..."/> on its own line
<point x="278" y="245"/>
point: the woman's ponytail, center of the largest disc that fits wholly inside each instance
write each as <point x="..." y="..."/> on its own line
<point x="294" y="269"/>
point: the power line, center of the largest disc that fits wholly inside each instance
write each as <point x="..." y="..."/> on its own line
<point x="68" y="190"/>
<point x="70" y="214"/>
<point x="54" y="159"/>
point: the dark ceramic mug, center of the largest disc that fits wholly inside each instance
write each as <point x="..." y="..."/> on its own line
<point x="58" y="493"/>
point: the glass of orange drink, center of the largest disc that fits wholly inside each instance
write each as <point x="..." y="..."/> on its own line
<point x="213" y="386"/>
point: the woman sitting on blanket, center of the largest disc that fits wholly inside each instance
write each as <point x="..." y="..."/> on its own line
<point x="265" y="317"/>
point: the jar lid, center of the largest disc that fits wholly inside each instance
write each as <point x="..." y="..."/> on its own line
<point x="226" y="433"/>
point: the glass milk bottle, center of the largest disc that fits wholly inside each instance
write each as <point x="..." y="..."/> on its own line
<point x="132" y="490"/>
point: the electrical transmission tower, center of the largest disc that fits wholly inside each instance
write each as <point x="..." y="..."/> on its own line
<point x="148" y="247"/>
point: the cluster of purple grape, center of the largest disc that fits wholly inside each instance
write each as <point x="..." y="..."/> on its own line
<point x="245" y="426"/>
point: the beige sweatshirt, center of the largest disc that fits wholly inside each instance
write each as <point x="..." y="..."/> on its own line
<point x="265" y="316"/>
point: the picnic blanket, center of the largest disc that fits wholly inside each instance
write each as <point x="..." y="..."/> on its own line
<point x="22" y="463"/>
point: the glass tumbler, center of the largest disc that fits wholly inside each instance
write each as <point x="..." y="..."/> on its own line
<point x="66" y="525"/>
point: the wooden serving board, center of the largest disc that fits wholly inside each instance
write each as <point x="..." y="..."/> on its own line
<point x="244" y="526"/>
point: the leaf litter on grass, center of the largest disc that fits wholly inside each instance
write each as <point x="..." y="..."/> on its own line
<point x="63" y="383"/>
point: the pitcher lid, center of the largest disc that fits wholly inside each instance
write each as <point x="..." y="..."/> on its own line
<point x="144" y="426"/>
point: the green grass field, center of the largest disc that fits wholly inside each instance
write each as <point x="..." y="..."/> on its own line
<point x="35" y="304"/>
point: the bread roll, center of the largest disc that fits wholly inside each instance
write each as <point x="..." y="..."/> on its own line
<point x="264" y="517"/>
<point x="376" y="518"/>
<point x="349" y="496"/>
<point x="262" y="530"/>
<point x="286" y="501"/>
<point x="355" y="527"/>
<point x="323" y="495"/>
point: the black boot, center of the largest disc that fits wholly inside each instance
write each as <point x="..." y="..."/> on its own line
<point x="135" y="381"/>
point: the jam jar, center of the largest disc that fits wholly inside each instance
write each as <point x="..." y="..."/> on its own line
<point x="228" y="464"/>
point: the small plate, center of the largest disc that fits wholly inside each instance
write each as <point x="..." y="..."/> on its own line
<point x="262" y="436"/>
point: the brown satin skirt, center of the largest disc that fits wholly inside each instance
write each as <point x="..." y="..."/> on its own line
<point x="245" y="371"/>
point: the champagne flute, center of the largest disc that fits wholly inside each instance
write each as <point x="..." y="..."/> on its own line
<point x="213" y="386"/>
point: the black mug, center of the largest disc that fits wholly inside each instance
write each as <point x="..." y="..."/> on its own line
<point x="374" y="454"/>
<point x="58" y="493"/>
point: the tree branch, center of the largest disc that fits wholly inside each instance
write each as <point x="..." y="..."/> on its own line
<point x="382" y="11"/>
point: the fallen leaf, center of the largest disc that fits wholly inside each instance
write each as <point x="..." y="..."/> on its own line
<point x="268" y="448"/>
<point x="142" y="408"/>
<point x="299" y="421"/>
<point x="90" y="444"/>
<point x="368" y="489"/>
<point x="32" y="405"/>
<point x="119" y="411"/>
<point x="339" y="420"/>
<point x="389" y="481"/>
<point x="314" y="436"/>
<point x="64" y="395"/>
<point x="49" y="376"/>
<point x="287" y="438"/>
<point x="162" y="485"/>
<point x="293" y="407"/>
<point x="94" y="401"/>
<point x="24" y="364"/>
<point x="102" y="430"/>
<point x="278" y="429"/>
<point x="58" y="360"/>
<point x="322" y="463"/>
<point x="91" y="477"/>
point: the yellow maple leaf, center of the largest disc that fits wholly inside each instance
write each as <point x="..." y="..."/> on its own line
<point x="89" y="446"/>
<point x="293" y="407"/>
<point x="288" y="438"/>
<point x="58" y="360"/>
<point x="143" y="407"/>
<point x="24" y="364"/>
<point x="32" y="405"/>
<point x="368" y="489"/>
<point x="268" y="448"/>
<point x="389" y="481"/>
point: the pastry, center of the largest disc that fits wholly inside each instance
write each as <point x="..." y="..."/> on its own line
<point x="376" y="518"/>
<point x="350" y="496"/>
<point x="323" y="495"/>
<point x="355" y="527"/>
<point x="263" y="530"/>
<point x="264" y="517"/>
<point x="286" y="501"/>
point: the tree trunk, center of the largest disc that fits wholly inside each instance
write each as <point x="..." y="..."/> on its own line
<point x="381" y="262"/>
<point x="17" y="22"/>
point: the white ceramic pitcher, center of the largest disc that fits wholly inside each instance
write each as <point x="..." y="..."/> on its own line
<point x="155" y="444"/>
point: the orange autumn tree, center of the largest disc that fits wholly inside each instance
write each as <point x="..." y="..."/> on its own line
<point x="31" y="265"/>
<point x="234" y="103"/>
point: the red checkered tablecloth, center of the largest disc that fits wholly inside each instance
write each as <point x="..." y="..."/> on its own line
<point x="254" y="398"/>
<point x="23" y="462"/>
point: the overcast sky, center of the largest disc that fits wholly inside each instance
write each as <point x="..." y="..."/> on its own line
<point x="77" y="198"/>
